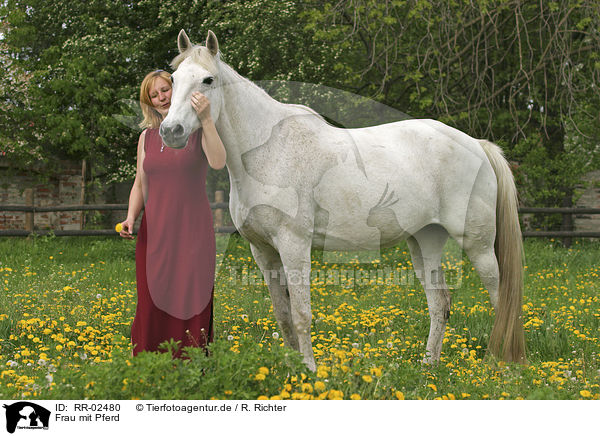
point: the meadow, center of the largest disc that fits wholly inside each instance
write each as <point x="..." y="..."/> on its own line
<point x="66" y="307"/>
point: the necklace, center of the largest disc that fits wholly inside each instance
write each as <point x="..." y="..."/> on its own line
<point x="162" y="147"/>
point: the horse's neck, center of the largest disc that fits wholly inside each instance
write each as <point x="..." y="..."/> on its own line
<point x="246" y="119"/>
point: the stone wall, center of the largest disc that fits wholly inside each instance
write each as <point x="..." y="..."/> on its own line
<point x="589" y="199"/>
<point x="64" y="189"/>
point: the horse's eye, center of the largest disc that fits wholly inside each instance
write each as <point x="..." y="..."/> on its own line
<point x="208" y="80"/>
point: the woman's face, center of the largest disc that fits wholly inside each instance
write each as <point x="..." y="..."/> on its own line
<point x="160" y="95"/>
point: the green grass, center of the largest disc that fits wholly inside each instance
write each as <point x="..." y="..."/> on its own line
<point x="66" y="306"/>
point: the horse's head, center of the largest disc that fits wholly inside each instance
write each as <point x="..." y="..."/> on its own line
<point x="196" y="69"/>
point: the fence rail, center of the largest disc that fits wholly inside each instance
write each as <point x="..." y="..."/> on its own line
<point x="219" y="206"/>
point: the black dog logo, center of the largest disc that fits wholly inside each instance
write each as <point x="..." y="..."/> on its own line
<point x="30" y="413"/>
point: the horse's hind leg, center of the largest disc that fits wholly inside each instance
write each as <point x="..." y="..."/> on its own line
<point x="426" y="248"/>
<point x="269" y="262"/>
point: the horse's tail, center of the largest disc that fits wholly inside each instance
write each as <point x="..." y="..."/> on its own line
<point x="507" y="340"/>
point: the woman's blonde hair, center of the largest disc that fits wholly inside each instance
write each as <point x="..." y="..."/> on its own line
<point x="152" y="118"/>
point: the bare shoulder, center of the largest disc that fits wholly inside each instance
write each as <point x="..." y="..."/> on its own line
<point x="142" y="138"/>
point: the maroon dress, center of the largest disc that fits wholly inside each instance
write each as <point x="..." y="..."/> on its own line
<point x="175" y="250"/>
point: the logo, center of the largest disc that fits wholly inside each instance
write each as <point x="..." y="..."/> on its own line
<point x="26" y="415"/>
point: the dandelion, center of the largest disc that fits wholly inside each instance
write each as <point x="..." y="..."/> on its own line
<point x="322" y="372"/>
<point x="307" y="387"/>
<point x="230" y="338"/>
<point x="433" y="387"/>
<point x="259" y="377"/>
<point x="263" y="370"/>
<point x="319" y="386"/>
<point x="399" y="395"/>
<point x="376" y="372"/>
<point x="367" y="378"/>
<point x="585" y="393"/>
<point x="335" y="395"/>
<point x="355" y="397"/>
<point x="275" y="335"/>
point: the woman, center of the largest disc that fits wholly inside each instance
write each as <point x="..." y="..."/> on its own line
<point x="175" y="250"/>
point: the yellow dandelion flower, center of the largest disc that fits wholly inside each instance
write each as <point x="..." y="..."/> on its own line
<point x="376" y="372"/>
<point x="585" y="393"/>
<point x="355" y="397"/>
<point x="433" y="387"/>
<point x="335" y="395"/>
<point x="307" y="387"/>
<point x="367" y="378"/>
<point x="322" y="372"/>
<point x="319" y="386"/>
<point x="263" y="370"/>
<point x="259" y="377"/>
<point x="399" y="395"/>
<point x="263" y="397"/>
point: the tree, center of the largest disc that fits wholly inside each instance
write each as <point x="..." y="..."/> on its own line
<point x="82" y="59"/>
<point x="524" y="74"/>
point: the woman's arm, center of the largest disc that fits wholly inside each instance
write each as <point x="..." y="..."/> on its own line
<point x="211" y="141"/>
<point x="137" y="194"/>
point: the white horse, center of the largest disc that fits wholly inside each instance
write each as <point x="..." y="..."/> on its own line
<point x="298" y="182"/>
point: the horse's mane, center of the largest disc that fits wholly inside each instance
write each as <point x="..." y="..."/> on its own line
<point x="199" y="54"/>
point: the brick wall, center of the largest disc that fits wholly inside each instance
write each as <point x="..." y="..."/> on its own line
<point x="590" y="198"/>
<point x="64" y="189"/>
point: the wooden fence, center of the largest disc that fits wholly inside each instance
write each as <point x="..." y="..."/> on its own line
<point x="219" y="206"/>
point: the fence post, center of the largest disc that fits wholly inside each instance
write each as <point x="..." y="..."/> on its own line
<point x="219" y="198"/>
<point x="82" y="194"/>
<point x="29" y="219"/>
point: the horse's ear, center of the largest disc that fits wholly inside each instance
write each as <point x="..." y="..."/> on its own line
<point x="183" y="42"/>
<point x="211" y="43"/>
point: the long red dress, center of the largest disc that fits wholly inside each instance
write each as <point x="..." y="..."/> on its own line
<point x="175" y="250"/>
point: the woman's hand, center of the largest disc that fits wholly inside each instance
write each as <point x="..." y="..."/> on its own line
<point x="201" y="105"/>
<point x="127" y="228"/>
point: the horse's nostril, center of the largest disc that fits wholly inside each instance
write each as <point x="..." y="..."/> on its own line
<point x="178" y="130"/>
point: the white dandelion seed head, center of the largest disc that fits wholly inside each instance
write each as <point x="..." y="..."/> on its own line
<point x="230" y="338"/>
<point x="98" y="296"/>
<point x="41" y="362"/>
<point x="50" y="378"/>
<point x="355" y="345"/>
<point x="12" y="363"/>
<point x="275" y="335"/>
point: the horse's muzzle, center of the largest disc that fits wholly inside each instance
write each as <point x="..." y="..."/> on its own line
<point x="174" y="136"/>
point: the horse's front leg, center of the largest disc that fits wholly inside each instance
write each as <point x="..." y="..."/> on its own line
<point x="295" y="255"/>
<point x="269" y="262"/>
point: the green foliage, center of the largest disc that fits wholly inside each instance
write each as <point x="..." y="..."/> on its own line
<point x="520" y="73"/>
<point x="197" y="376"/>
<point x="524" y="74"/>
